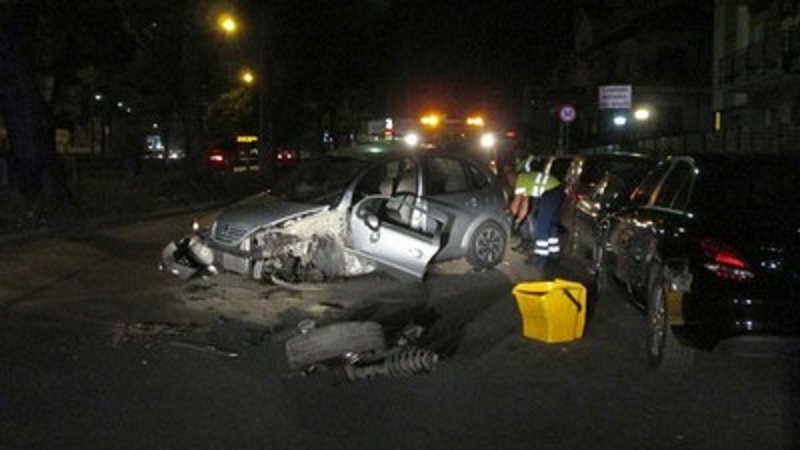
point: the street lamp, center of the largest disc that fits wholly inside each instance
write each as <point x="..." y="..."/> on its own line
<point x="227" y="23"/>
<point x="641" y="114"/>
<point x="248" y="77"/>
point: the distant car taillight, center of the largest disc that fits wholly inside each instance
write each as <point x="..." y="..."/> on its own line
<point x="725" y="261"/>
<point x="216" y="158"/>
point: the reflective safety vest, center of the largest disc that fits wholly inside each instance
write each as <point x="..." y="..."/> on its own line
<point x="525" y="164"/>
<point x="534" y="184"/>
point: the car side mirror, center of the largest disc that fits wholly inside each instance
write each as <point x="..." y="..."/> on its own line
<point x="372" y="221"/>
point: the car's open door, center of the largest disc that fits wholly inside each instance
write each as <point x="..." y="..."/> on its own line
<point x="381" y="230"/>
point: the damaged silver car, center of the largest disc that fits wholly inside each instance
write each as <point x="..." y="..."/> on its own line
<point x="344" y="215"/>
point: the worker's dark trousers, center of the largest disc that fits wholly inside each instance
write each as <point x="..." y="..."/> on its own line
<point x="526" y="229"/>
<point x="545" y="228"/>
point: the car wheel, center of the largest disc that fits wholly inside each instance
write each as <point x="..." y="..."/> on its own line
<point x="487" y="247"/>
<point x="602" y="274"/>
<point x="572" y="244"/>
<point x="365" y="340"/>
<point x="663" y="349"/>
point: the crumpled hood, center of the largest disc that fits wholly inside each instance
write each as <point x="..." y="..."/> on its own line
<point x="257" y="211"/>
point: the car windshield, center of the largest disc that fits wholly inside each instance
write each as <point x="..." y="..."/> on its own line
<point x="318" y="181"/>
<point x="755" y="184"/>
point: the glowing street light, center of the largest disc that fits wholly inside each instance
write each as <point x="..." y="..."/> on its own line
<point x="248" y="77"/>
<point x="227" y="23"/>
<point x="641" y="114"/>
<point x="620" y="120"/>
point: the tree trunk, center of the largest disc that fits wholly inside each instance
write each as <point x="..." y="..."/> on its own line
<point x="33" y="165"/>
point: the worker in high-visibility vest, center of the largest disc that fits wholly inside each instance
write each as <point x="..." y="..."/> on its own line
<point x="548" y="193"/>
<point x="520" y="206"/>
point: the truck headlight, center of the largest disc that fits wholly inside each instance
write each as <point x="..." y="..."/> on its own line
<point x="488" y="140"/>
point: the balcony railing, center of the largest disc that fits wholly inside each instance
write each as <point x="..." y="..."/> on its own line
<point x="777" y="54"/>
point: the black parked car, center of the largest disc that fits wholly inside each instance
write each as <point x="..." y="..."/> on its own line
<point x="585" y="171"/>
<point x="558" y="165"/>
<point x="709" y="247"/>
<point x="591" y="210"/>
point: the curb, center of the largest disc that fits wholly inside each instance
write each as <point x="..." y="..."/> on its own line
<point x="93" y="223"/>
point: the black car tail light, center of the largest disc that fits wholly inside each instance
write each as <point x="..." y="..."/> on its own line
<point x="725" y="261"/>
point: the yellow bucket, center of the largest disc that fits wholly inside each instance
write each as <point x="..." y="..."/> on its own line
<point x="552" y="311"/>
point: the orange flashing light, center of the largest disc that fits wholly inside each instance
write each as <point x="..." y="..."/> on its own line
<point x="431" y="120"/>
<point x="476" y="121"/>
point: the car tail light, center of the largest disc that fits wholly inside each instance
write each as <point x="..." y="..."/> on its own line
<point x="216" y="158"/>
<point x="579" y="196"/>
<point x="725" y="261"/>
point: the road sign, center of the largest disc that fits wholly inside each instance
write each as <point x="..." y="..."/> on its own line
<point x="615" y="96"/>
<point x="567" y="113"/>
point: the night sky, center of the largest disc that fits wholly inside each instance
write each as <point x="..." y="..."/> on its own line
<point x="417" y="55"/>
<point x="460" y="54"/>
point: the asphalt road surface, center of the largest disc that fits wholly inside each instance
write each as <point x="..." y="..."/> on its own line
<point x="101" y="350"/>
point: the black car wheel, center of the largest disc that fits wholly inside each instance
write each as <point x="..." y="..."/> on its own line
<point x="572" y="243"/>
<point x="602" y="274"/>
<point x="663" y="349"/>
<point x="487" y="247"/>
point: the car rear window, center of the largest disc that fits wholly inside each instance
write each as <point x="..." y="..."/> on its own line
<point x="625" y="166"/>
<point x="559" y="167"/>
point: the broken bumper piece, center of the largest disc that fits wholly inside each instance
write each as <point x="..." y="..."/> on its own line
<point x="188" y="257"/>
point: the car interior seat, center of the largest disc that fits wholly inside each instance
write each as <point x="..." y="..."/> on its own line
<point x="404" y="188"/>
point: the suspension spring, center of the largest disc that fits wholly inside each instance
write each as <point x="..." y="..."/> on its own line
<point x="403" y="363"/>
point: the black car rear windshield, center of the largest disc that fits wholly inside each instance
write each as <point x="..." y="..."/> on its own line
<point x="622" y="165"/>
<point x="753" y="183"/>
<point x="319" y="180"/>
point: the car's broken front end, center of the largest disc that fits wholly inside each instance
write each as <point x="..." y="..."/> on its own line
<point x="305" y="244"/>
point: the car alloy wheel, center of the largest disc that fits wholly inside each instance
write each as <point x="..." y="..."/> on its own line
<point x="656" y="322"/>
<point x="487" y="247"/>
<point x="602" y="278"/>
<point x="663" y="349"/>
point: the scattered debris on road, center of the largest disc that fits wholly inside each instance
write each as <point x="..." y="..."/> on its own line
<point x="124" y="332"/>
<point x="359" y="348"/>
<point x="205" y="348"/>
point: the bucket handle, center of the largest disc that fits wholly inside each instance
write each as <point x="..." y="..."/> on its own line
<point x="573" y="300"/>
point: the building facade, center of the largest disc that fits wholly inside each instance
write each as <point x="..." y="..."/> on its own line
<point x="658" y="51"/>
<point x="757" y="74"/>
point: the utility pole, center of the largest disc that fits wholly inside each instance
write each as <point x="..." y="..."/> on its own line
<point x="264" y="133"/>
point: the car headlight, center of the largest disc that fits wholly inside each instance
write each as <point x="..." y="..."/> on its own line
<point x="488" y="140"/>
<point x="411" y="139"/>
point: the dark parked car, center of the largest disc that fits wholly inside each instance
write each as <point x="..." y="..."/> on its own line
<point x="591" y="210"/>
<point x="709" y="248"/>
<point x="285" y="157"/>
<point x="586" y="170"/>
<point x="558" y="165"/>
<point x="230" y="156"/>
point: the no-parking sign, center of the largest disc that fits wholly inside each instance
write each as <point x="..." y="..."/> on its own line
<point x="567" y="113"/>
